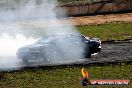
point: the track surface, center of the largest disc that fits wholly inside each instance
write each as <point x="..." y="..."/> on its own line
<point x="113" y="52"/>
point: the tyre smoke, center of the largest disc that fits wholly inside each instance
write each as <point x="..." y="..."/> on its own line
<point x="22" y="22"/>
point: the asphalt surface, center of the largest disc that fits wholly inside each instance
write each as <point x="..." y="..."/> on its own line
<point x="113" y="52"/>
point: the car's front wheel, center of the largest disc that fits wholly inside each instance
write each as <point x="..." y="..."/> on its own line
<point x="25" y="60"/>
<point x="88" y="52"/>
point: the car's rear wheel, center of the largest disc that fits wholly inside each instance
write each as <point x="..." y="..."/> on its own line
<point x="26" y="61"/>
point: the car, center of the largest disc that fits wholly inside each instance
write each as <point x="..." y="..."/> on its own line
<point x="58" y="45"/>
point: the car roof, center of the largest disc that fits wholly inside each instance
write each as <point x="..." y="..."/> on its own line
<point x="63" y="34"/>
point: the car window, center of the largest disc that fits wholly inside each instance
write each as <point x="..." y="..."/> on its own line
<point x="61" y="38"/>
<point x="45" y="40"/>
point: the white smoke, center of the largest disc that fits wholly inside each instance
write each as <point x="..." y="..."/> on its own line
<point x="18" y="21"/>
<point x="9" y="45"/>
<point x="8" y="48"/>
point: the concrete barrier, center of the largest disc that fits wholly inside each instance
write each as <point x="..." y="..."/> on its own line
<point x="78" y="8"/>
<point x="106" y="6"/>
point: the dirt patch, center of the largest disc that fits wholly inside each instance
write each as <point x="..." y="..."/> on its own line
<point x="80" y="21"/>
<point x="101" y="19"/>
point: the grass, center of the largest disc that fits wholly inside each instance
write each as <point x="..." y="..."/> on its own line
<point x="109" y="31"/>
<point x="64" y="77"/>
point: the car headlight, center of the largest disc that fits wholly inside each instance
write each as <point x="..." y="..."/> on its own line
<point x="100" y="46"/>
<point x="97" y="39"/>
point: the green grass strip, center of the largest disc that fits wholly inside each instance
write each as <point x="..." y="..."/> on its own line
<point x="108" y="31"/>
